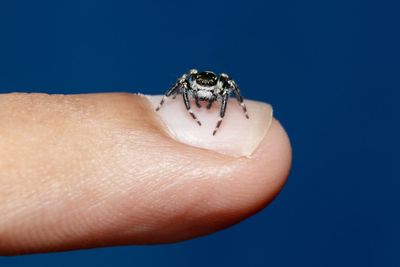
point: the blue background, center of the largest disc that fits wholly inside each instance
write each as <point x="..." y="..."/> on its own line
<point x="330" y="68"/>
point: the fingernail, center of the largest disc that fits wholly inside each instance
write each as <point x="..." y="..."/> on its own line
<point x="237" y="136"/>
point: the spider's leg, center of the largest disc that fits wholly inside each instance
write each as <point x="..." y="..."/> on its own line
<point x="187" y="105"/>
<point x="197" y="101"/>
<point x="175" y="94"/>
<point x="173" y="90"/>
<point x="182" y="82"/>
<point x="224" y="101"/>
<point x="210" y="102"/>
<point x="239" y="98"/>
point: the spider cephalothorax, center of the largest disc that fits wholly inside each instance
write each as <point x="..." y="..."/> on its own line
<point x="205" y="86"/>
<point x="206" y="78"/>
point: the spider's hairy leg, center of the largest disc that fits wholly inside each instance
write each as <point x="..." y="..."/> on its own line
<point x="210" y="102"/>
<point x="175" y="94"/>
<point x="224" y="101"/>
<point x="197" y="101"/>
<point x="173" y="90"/>
<point x="186" y="100"/>
<point x="239" y="98"/>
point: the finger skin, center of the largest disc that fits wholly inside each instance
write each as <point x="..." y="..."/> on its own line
<point x="84" y="171"/>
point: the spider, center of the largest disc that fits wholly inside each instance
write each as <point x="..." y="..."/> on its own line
<point x="205" y="86"/>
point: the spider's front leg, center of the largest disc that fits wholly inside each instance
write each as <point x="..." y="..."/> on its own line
<point x="210" y="102"/>
<point x="197" y="101"/>
<point x="175" y="89"/>
<point x="239" y="98"/>
<point x="224" y="101"/>
<point x="172" y="91"/>
<point x="186" y="100"/>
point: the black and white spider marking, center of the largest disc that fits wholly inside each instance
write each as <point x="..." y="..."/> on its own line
<point x="205" y="86"/>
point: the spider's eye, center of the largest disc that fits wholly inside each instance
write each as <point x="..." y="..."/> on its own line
<point x="206" y="78"/>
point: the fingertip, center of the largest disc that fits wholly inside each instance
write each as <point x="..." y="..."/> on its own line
<point x="232" y="188"/>
<point x="252" y="182"/>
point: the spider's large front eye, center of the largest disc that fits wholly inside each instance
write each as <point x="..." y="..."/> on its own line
<point x="206" y="78"/>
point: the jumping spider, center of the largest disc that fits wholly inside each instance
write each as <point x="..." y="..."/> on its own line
<point x="205" y="86"/>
